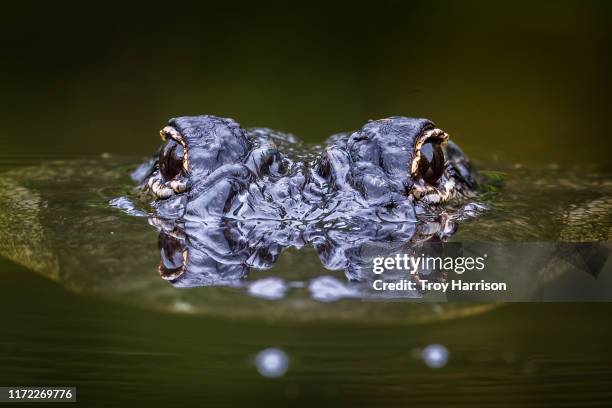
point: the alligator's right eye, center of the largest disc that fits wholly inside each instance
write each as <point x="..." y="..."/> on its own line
<point x="431" y="164"/>
<point x="171" y="159"/>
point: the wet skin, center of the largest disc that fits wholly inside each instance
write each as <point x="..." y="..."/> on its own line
<point x="227" y="199"/>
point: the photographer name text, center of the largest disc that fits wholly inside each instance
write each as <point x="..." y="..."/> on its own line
<point x="426" y="266"/>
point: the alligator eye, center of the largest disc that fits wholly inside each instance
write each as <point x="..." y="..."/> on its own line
<point x="172" y="264"/>
<point x="171" y="159"/>
<point x="431" y="163"/>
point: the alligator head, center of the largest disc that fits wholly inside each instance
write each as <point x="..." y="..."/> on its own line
<point x="228" y="198"/>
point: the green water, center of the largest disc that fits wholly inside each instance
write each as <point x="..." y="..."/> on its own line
<point x="523" y="88"/>
<point x="83" y="304"/>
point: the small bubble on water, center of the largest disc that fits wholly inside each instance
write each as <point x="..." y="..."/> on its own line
<point x="272" y="362"/>
<point x="435" y="355"/>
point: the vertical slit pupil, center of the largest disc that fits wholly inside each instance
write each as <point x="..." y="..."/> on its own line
<point x="171" y="159"/>
<point x="431" y="163"/>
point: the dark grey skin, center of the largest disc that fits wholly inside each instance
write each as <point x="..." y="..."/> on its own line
<point x="227" y="199"/>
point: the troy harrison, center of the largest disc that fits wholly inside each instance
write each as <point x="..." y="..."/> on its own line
<point x="426" y="285"/>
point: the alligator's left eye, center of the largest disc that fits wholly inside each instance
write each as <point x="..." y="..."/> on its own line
<point x="171" y="159"/>
<point x="431" y="163"/>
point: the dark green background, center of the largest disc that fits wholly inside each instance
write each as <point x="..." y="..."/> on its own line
<point x="520" y="81"/>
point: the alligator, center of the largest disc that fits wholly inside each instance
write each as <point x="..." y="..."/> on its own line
<point x="226" y="199"/>
<point x="55" y="220"/>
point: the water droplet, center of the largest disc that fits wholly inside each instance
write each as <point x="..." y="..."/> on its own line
<point x="272" y="362"/>
<point x="435" y="355"/>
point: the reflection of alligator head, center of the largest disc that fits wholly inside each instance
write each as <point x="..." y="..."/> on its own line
<point x="228" y="199"/>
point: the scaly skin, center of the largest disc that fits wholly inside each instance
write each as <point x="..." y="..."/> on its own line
<point x="227" y="198"/>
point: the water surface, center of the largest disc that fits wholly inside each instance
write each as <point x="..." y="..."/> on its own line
<point x="86" y="306"/>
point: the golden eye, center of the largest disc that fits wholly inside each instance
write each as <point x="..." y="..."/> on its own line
<point x="431" y="163"/>
<point x="171" y="159"/>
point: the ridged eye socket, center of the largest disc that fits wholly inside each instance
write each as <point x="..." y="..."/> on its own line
<point x="171" y="159"/>
<point x="431" y="163"/>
